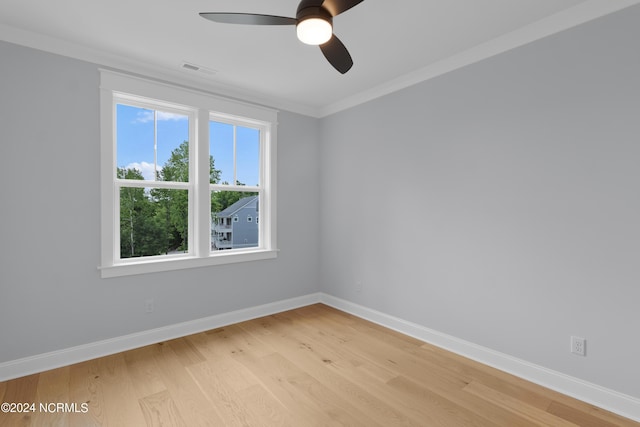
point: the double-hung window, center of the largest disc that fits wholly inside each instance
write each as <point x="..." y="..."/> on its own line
<point x="178" y="168"/>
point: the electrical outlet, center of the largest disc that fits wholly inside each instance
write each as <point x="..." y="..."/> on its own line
<point x="149" y="306"/>
<point x="359" y="286"/>
<point x="578" y="346"/>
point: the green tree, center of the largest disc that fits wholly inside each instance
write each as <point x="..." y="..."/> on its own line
<point x="139" y="231"/>
<point x="173" y="205"/>
<point x="177" y="166"/>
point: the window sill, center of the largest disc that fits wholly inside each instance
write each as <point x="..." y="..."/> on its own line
<point x="159" y="265"/>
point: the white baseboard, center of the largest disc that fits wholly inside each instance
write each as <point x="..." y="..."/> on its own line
<point x="55" y="359"/>
<point x="619" y="403"/>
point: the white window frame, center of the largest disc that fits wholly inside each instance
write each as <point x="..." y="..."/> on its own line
<point x="201" y="107"/>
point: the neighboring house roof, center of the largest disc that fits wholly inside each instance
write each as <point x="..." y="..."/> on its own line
<point x="230" y="210"/>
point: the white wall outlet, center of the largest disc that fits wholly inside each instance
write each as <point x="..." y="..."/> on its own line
<point x="578" y="346"/>
<point x="359" y="286"/>
<point x="149" y="306"/>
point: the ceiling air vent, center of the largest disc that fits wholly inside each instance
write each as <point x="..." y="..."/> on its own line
<point x="198" y="68"/>
<point x="190" y="67"/>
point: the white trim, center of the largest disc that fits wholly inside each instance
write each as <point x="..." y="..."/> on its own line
<point x="180" y="262"/>
<point x="568" y="18"/>
<point x="611" y="400"/>
<point x="202" y="200"/>
<point x="141" y="87"/>
<point x="55" y="359"/>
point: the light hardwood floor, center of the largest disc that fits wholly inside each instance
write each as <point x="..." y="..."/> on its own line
<point x="314" y="366"/>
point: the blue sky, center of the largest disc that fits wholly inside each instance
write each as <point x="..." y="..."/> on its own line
<point x="247" y="152"/>
<point x="135" y="143"/>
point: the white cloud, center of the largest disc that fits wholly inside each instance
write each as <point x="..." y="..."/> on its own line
<point x="146" y="169"/>
<point x="171" y="116"/>
<point x="144" y="117"/>
<point x="147" y="116"/>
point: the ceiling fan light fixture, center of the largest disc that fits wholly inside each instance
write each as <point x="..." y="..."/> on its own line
<point x="314" y="26"/>
<point x="314" y="30"/>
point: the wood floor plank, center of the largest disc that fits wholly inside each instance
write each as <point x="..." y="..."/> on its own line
<point x="232" y="410"/>
<point x="300" y="407"/>
<point x="435" y="408"/>
<point x="266" y="407"/>
<point x="516" y="406"/>
<point x="19" y="391"/>
<point x="302" y="393"/>
<point x="578" y="417"/>
<point x="193" y="405"/>
<point x="159" y="410"/>
<point x="85" y="386"/>
<point x="412" y="413"/>
<point x="473" y="371"/>
<point x="313" y="366"/>
<point x="186" y="351"/>
<point x="118" y="393"/>
<point x="237" y="342"/>
<point x="53" y="388"/>
<point x="144" y="370"/>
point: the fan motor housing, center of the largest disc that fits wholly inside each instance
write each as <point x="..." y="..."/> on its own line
<point x="314" y="12"/>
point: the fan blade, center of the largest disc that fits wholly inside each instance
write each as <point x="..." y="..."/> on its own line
<point x="336" y="7"/>
<point x="248" y="18"/>
<point x="337" y="54"/>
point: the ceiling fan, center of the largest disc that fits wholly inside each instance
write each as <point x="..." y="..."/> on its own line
<point x="314" y="26"/>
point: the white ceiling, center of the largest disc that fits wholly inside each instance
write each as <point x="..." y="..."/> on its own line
<point x="393" y="44"/>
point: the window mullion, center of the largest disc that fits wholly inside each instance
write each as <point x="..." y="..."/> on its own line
<point x="202" y="193"/>
<point x="235" y="156"/>
<point x="242" y="188"/>
<point x="135" y="183"/>
<point x="155" y="144"/>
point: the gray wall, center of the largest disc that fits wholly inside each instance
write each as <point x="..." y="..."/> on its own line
<point x="500" y="203"/>
<point x="51" y="296"/>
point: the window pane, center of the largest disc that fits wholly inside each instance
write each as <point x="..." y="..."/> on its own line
<point x="173" y="147"/>
<point x="221" y="149"/>
<point x="153" y="142"/>
<point x="153" y="221"/>
<point x="248" y="156"/>
<point x="134" y="133"/>
<point x="230" y="226"/>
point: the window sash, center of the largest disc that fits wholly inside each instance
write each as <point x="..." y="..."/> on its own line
<point x="157" y="106"/>
<point x="191" y="232"/>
